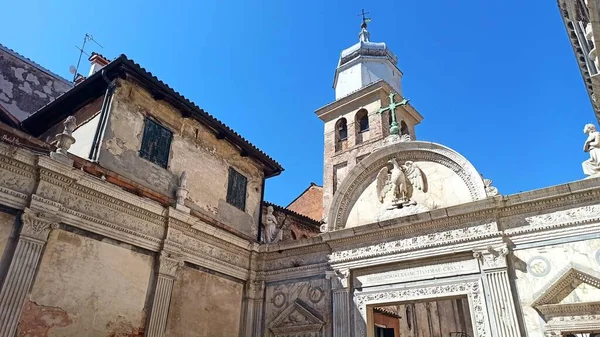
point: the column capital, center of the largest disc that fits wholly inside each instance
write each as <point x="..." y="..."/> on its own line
<point x="255" y="289"/>
<point x="338" y="277"/>
<point x="492" y="257"/>
<point x="168" y="264"/>
<point x="37" y="225"/>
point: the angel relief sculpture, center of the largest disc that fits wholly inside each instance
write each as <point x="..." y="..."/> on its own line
<point x="398" y="183"/>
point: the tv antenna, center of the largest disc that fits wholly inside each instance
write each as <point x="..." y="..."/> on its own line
<point x="88" y="37"/>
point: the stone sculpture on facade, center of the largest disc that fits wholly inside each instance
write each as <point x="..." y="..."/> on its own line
<point x="490" y="190"/>
<point x="400" y="180"/>
<point x="182" y="192"/>
<point x="591" y="167"/>
<point x="272" y="234"/>
<point x="64" y="141"/>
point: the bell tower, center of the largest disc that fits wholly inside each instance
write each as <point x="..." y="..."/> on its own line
<point x="367" y="91"/>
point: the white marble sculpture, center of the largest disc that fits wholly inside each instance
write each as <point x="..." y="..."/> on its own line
<point x="490" y="190"/>
<point x="272" y="234"/>
<point x="400" y="180"/>
<point x="591" y="167"/>
<point x="182" y="192"/>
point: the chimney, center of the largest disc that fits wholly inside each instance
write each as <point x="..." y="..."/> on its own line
<point x="98" y="62"/>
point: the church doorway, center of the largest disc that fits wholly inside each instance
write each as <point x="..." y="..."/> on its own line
<point x="447" y="317"/>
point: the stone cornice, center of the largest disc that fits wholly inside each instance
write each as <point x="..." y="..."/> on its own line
<point x="17" y="154"/>
<point x="200" y="227"/>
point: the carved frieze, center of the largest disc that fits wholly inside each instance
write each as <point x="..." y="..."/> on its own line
<point x="112" y="213"/>
<point x="296" y="261"/>
<point x="577" y="215"/>
<point x="415" y="242"/>
<point x="16" y="176"/>
<point x="556" y="326"/>
<point x="198" y="245"/>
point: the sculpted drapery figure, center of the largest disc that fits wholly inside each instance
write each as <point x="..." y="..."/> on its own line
<point x="272" y="234"/>
<point x="591" y="167"/>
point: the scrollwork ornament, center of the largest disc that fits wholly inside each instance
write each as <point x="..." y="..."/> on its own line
<point x="38" y="225"/>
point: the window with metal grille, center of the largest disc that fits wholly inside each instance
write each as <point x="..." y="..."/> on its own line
<point x="156" y="143"/>
<point x="236" y="189"/>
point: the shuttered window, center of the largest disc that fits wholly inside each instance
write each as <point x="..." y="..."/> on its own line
<point x="156" y="143"/>
<point x="236" y="189"/>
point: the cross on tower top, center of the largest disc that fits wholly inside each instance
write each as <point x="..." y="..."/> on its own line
<point x="365" y="19"/>
<point x="394" y="129"/>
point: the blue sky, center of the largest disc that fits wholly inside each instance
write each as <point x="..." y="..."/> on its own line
<point x="495" y="80"/>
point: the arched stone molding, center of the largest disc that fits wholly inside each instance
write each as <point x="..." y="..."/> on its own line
<point x="365" y="171"/>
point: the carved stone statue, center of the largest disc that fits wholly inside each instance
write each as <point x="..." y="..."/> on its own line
<point x="64" y="140"/>
<point x="272" y="234"/>
<point x="591" y="167"/>
<point x="490" y="190"/>
<point x="182" y="192"/>
<point x="400" y="180"/>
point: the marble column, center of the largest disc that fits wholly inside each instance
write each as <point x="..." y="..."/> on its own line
<point x="493" y="265"/>
<point x="34" y="234"/>
<point x="167" y="268"/>
<point x="341" y="309"/>
<point x="253" y="308"/>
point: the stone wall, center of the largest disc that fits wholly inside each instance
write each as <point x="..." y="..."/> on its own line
<point x="194" y="149"/>
<point x="90" y="287"/>
<point x="204" y="305"/>
<point x="25" y="87"/>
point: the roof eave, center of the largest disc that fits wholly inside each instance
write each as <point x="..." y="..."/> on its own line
<point x="95" y="85"/>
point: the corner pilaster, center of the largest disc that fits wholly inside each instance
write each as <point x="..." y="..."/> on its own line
<point x="33" y="236"/>
<point x="253" y="308"/>
<point x="494" y="267"/>
<point x="341" y="309"/>
<point x="167" y="270"/>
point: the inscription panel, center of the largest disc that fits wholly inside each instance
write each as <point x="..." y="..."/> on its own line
<point x="400" y="274"/>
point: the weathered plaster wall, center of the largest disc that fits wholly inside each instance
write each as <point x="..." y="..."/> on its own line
<point x="84" y="134"/>
<point x="204" y="305"/>
<point x="25" y="88"/>
<point x="194" y="149"/>
<point x="87" y="287"/>
<point x="537" y="268"/>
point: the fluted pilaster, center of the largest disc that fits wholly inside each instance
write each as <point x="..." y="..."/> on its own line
<point x="253" y="308"/>
<point x="339" y="287"/>
<point x="493" y="264"/>
<point x="167" y="269"/>
<point x="19" y="278"/>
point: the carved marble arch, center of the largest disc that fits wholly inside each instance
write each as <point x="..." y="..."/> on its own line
<point x="450" y="177"/>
